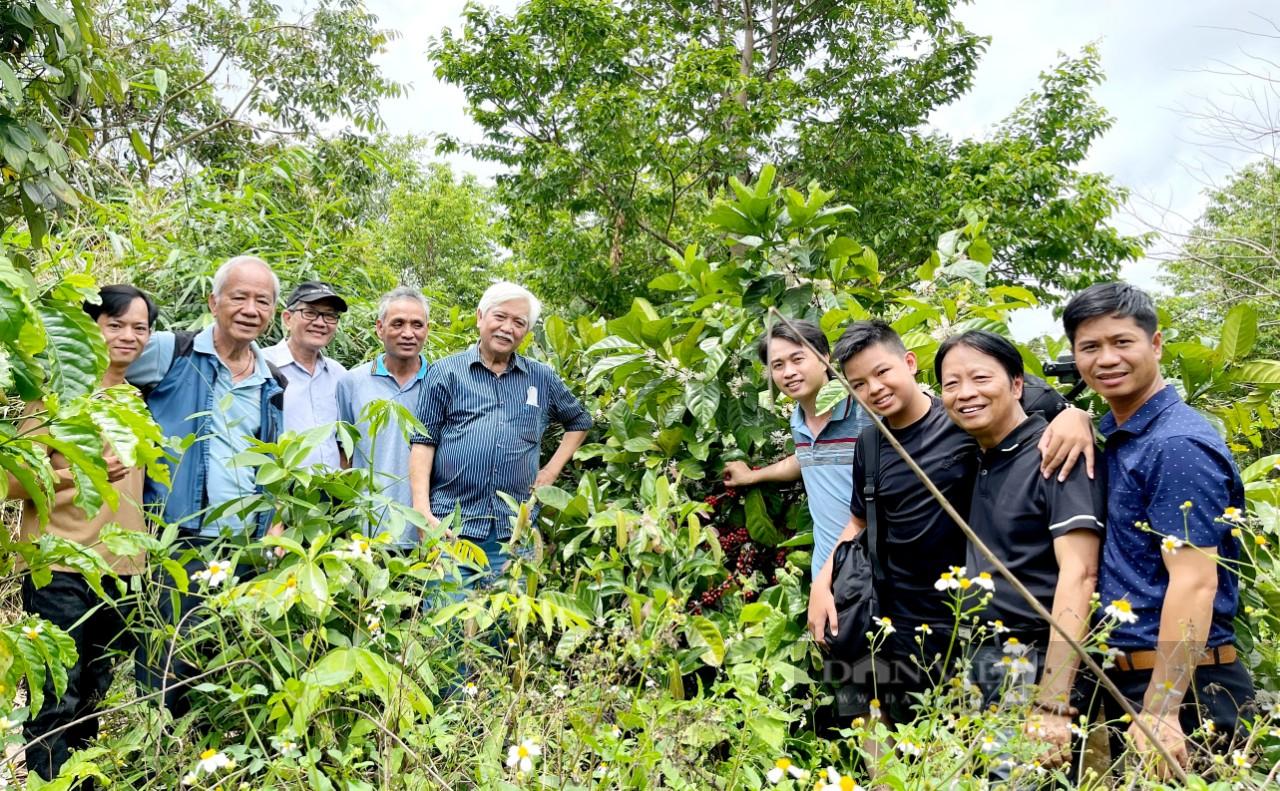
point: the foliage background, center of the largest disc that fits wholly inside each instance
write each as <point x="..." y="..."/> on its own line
<point x="647" y="642"/>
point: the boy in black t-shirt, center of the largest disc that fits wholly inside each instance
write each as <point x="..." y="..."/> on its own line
<point x="922" y="542"/>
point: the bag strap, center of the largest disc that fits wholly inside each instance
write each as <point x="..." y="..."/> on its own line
<point x="871" y="463"/>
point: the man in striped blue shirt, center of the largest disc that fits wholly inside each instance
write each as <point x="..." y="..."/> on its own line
<point x="485" y="410"/>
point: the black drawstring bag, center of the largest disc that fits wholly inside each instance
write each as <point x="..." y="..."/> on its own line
<point x="856" y="569"/>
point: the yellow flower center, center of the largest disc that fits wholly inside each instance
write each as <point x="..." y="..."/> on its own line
<point x="1122" y="605"/>
<point x="783" y="763"/>
<point x="292" y="582"/>
<point x="965" y="582"/>
<point x="522" y="751"/>
<point x="846" y="783"/>
<point x="207" y="754"/>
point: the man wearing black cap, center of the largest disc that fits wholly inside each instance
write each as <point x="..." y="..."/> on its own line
<point x="310" y="320"/>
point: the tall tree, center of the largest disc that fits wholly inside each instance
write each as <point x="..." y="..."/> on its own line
<point x="440" y="234"/>
<point x="620" y="120"/>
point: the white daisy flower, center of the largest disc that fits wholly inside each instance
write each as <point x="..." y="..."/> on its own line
<point x="214" y="574"/>
<point x="1171" y="544"/>
<point x="985" y="581"/>
<point x="885" y="623"/>
<point x="212" y="760"/>
<point x="781" y="769"/>
<point x="1122" y="611"/>
<point x="521" y="756"/>
<point x="910" y="748"/>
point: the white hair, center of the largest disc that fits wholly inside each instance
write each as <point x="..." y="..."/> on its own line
<point x="504" y="291"/>
<point x="404" y="292"/>
<point x="224" y="273"/>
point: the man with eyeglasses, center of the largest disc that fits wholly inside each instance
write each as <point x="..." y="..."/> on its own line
<point x="310" y="321"/>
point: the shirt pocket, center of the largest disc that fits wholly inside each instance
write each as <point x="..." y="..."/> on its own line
<point x="530" y="424"/>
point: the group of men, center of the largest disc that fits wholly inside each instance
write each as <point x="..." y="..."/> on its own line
<point x="1151" y="533"/>
<point x="485" y="410"/>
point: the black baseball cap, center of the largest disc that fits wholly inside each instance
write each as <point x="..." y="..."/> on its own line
<point x="316" y="291"/>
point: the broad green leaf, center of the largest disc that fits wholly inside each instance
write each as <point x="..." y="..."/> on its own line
<point x="334" y="669"/>
<point x="161" y="79"/>
<point x="759" y="524"/>
<point x="670" y="281"/>
<point x="1264" y="373"/>
<point x="703" y="398"/>
<point x="1239" y="332"/>
<point x="831" y="394"/>
<point x="703" y="633"/>
<point x="554" y="496"/>
<point x="75" y="353"/>
<point x="12" y="85"/>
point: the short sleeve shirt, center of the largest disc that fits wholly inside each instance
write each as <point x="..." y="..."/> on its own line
<point x="825" y="462"/>
<point x="487" y="430"/>
<point x="1168" y="474"/>
<point x="1018" y="514"/>
<point x="310" y="400"/>
<point x="921" y="540"/>
<point x="387" y="453"/>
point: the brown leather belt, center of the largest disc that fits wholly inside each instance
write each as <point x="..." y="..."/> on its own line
<point x="1146" y="660"/>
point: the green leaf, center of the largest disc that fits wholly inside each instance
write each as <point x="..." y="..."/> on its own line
<point x="671" y="281"/>
<point x="554" y="496"/>
<point x="139" y="147"/>
<point x="703" y="398"/>
<point x="703" y="633"/>
<point x="980" y="251"/>
<point x="759" y="524"/>
<point x="161" y="79"/>
<point x="75" y="353"/>
<point x="334" y="669"/>
<point x="1264" y="373"/>
<point x="1239" y="332"/>
<point x="831" y="394"/>
<point x="12" y="85"/>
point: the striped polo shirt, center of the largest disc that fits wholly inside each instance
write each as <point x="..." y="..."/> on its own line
<point x="488" y="430"/>
<point x="826" y="465"/>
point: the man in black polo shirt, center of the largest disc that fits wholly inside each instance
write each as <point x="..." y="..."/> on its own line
<point x="921" y="541"/>
<point x="1047" y="532"/>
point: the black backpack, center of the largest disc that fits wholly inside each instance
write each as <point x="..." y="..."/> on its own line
<point x="857" y="568"/>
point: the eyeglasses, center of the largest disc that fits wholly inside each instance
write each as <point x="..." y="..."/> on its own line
<point x="311" y="314"/>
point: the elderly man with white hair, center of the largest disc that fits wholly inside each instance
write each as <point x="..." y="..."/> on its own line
<point x="485" y="410"/>
<point x="217" y="386"/>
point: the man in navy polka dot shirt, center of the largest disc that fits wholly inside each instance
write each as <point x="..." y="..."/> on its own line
<point x="1168" y="588"/>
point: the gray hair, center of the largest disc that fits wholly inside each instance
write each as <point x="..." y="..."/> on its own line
<point x="504" y="291"/>
<point x="221" y="276"/>
<point x="403" y="292"/>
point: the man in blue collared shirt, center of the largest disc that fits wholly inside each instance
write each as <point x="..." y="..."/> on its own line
<point x="1167" y="581"/>
<point x="310" y="319"/>
<point x="397" y="375"/>
<point x="485" y="410"/>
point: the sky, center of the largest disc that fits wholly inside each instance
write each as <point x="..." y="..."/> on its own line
<point x="1163" y="60"/>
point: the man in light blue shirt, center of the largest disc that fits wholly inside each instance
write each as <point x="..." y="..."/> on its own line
<point x="396" y="375"/>
<point x="310" y="320"/>
<point x="216" y="385"/>
<point x="824" y="443"/>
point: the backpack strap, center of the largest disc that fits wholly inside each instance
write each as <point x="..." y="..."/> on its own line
<point x="183" y="342"/>
<point x="870" y="441"/>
